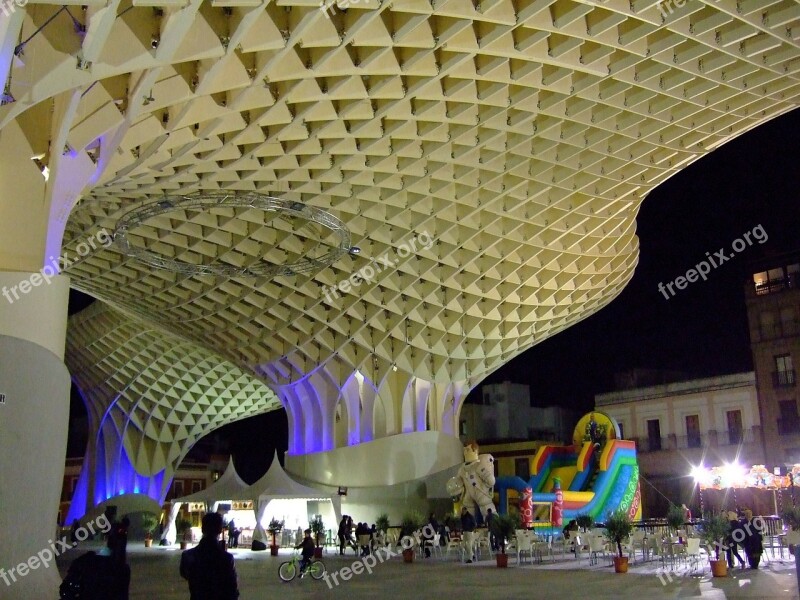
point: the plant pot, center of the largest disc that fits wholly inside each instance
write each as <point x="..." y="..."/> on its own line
<point x="719" y="568"/>
<point x="148" y="543"/>
<point x="408" y="555"/>
<point x="273" y="550"/>
<point x="317" y="552"/>
<point x="184" y="545"/>
<point x="620" y="564"/>
<point x="502" y="560"/>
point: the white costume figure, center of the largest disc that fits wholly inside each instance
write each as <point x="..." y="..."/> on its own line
<point x="477" y="475"/>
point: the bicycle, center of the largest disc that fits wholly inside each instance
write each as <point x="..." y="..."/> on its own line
<point x="289" y="569"/>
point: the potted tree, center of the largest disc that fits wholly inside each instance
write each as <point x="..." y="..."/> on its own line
<point x="274" y="528"/>
<point x="184" y="529"/>
<point x="714" y="530"/>
<point x="503" y="527"/>
<point x="585" y="521"/>
<point x="318" y="530"/>
<point x="618" y="529"/>
<point x="149" y="523"/>
<point x="382" y="525"/>
<point x="676" y="519"/>
<point x="410" y="523"/>
<point x="791" y="518"/>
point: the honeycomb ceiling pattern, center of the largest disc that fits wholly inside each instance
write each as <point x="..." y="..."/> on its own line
<point x="152" y="393"/>
<point x="519" y="136"/>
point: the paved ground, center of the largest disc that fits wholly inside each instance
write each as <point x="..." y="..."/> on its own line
<point x="155" y="576"/>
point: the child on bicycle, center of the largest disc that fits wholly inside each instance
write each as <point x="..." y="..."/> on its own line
<point x="307" y="546"/>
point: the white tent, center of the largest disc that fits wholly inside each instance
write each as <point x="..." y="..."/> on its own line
<point x="228" y="487"/>
<point x="277" y="485"/>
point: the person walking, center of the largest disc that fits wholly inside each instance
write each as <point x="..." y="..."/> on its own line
<point x="492" y="537"/>
<point x="208" y="568"/>
<point x="753" y="541"/>
<point x="342" y="534"/>
<point x="429" y="535"/>
<point x="731" y="541"/>
<point x="468" y="527"/>
<point x="348" y="534"/>
<point x="231" y="534"/>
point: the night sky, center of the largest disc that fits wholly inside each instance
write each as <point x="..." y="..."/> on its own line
<point x="702" y="330"/>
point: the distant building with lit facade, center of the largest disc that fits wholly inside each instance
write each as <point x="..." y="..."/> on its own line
<point x="679" y="425"/>
<point x="773" y="302"/>
<point x="504" y="413"/>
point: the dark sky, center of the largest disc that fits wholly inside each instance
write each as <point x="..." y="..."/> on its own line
<point x="702" y="330"/>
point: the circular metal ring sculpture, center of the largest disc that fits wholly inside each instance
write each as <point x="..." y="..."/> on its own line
<point x="205" y="201"/>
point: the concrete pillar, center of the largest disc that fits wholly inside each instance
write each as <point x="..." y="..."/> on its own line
<point x="34" y="413"/>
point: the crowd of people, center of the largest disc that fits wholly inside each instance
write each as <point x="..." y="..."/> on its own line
<point x="744" y="532"/>
<point x="348" y="535"/>
<point x="106" y="574"/>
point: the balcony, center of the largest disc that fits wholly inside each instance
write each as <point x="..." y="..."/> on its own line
<point x="779" y="284"/>
<point x="646" y="444"/>
<point x="784" y="378"/>
<point x="697" y="440"/>
<point x="734" y="437"/>
<point x="789" y="426"/>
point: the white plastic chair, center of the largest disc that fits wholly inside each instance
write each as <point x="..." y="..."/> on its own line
<point x="433" y="545"/>
<point x="638" y="542"/>
<point x="597" y="545"/>
<point x="693" y="551"/>
<point x="556" y="543"/>
<point x="456" y="543"/>
<point x="482" y="542"/>
<point x="524" y="544"/>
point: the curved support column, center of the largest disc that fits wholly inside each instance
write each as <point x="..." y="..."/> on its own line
<point x="170" y="534"/>
<point x="33" y="427"/>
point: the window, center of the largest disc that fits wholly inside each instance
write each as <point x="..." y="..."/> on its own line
<point x="766" y="324"/>
<point x="654" y="434"/>
<point x="784" y="371"/>
<point x="462" y="427"/>
<point x="621" y="430"/>
<point x="788" y="321"/>
<point x="734" y="419"/>
<point x="789" y="421"/>
<point x="522" y="468"/>
<point x="197" y="485"/>
<point x="177" y="488"/>
<point x="693" y="439"/>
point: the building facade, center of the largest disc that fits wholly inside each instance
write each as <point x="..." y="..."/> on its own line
<point x="677" y="426"/>
<point x="773" y="301"/>
<point x="504" y="413"/>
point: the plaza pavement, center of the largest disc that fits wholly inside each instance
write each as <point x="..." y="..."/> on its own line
<point x="155" y="577"/>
